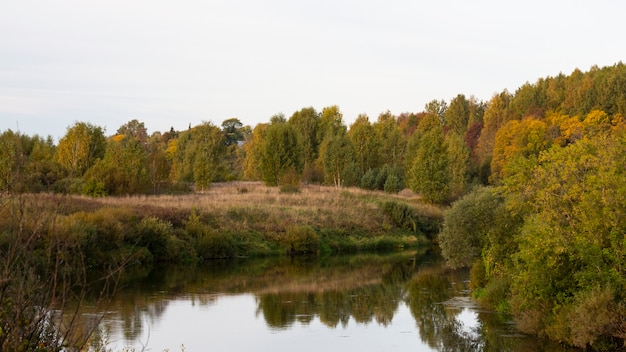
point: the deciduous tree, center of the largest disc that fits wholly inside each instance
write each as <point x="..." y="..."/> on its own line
<point x="281" y="153"/>
<point x="429" y="173"/>
<point x="81" y="146"/>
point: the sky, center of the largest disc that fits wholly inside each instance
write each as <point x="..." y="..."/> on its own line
<point x="176" y="63"/>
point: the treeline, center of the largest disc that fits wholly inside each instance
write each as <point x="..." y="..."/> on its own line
<point x="547" y="239"/>
<point x="439" y="152"/>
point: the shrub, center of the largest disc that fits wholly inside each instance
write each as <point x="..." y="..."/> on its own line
<point x="495" y="294"/>
<point x="393" y="184"/>
<point x="368" y="181"/>
<point x="593" y="315"/>
<point x="69" y="186"/>
<point x="302" y="240"/>
<point x="401" y="215"/>
<point x="289" y="189"/>
<point x="157" y="235"/>
<point x="466" y="225"/>
<point x="351" y="175"/>
<point x="478" y="275"/>
<point x="216" y="245"/>
<point x="94" y="188"/>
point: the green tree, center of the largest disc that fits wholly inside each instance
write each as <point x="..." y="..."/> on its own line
<point x="364" y="140"/>
<point x="233" y="131"/>
<point x="134" y="130"/>
<point x="459" y="161"/>
<point x="12" y="161"/>
<point x="254" y="153"/>
<point x="467" y="225"/>
<point x="331" y="122"/>
<point x="306" y="123"/>
<point x="572" y="246"/>
<point x="457" y="115"/>
<point x="437" y="108"/>
<point x="281" y="153"/>
<point x="208" y="150"/>
<point x="338" y="156"/>
<point x="81" y="146"/>
<point x="123" y="168"/>
<point x="390" y="141"/>
<point x="429" y="170"/>
<point x="157" y="161"/>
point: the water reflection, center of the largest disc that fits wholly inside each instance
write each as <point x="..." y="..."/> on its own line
<point x="313" y="295"/>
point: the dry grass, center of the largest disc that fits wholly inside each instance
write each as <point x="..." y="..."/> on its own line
<point x="244" y="206"/>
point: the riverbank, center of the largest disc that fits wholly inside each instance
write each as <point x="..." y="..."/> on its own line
<point x="229" y="220"/>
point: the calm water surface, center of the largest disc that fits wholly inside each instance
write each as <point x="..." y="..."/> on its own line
<point x="399" y="302"/>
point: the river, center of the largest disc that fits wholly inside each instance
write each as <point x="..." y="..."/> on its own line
<point x="367" y="302"/>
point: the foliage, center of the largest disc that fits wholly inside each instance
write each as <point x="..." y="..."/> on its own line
<point x="408" y="218"/>
<point x="82" y="145"/>
<point x="306" y="125"/>
<point x="280" y="153"/>
<point x="43" y="272"/>
<point x="368" y="181"/>
<point x="364" y="140"/>
<point x="517" y="139"/>
<point x="570" y="243"/>
<point x="389" y="140"/>
<point x="233" y="131"/>
<point x="468" y="224"/>
<point x="338" y="152"/>
<point x="459" y="163"/>
<point x="429" y="170"/>
<point x="457" y="115"/>
<point x="302" y="240"/>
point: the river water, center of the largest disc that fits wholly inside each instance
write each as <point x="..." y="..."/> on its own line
<point x="367" y="302"/>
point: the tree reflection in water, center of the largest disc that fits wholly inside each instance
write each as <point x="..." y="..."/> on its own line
<point x="364" y="289"/>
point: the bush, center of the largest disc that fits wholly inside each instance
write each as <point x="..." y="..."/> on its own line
<point x="393" y="184"/>
<point x="368" y="181"/>
<point x="216" y="245"/>
<point x="401" y="215"/>
<point x="593" y="315"/>
<point x="478" y="275"/>
<point x="302" y="240"/>
<point x="351" y="175"/>
<point x="495" y="294"/>
<point x="466" y="225"/>
<point x="158" y="236"/>
<point x="289" y="189"/>
<point x="94" y="188"/>
<point x="69" y="186"/>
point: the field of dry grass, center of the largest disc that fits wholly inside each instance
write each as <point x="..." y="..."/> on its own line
<point x="254" y="206"/>
<point x="238" y="219"/>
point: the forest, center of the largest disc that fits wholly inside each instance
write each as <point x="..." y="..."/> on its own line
<point x="533" y="183"/>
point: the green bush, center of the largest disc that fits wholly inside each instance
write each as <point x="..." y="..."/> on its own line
<point x="94" y="188"/>
<point x="368" y="181"/>
<point x="401" y="215"/>
<point x="495" y="294"/>
<point x="393" y="184"/>
<point x="478" y="275"/>
<point x="216" y="245"/>
<point x="69" y="186"/>
<point x="302" y="240"/>
<point x="466" y="224"/>
<point x="158" y="236"/>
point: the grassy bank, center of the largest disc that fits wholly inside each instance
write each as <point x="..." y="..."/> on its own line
<point x="230" y="220"/>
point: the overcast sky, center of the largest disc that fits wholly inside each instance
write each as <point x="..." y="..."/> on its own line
<point x="175" y="63"/>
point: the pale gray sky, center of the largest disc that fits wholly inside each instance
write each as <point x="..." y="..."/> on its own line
<point x="172" y="63"/>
